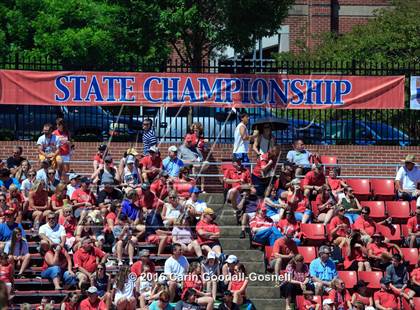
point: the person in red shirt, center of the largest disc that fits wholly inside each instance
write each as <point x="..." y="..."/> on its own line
<point x="339" y="228"/>
<point x="415" y="279"/>
<point x="98" y="159"/>
<point x="208" y="232"/>
<point x="194" y="280"/>
<point x="314" y="180"/>
<point x="93" y="302"/>
<point x="283" y="250"/>
<point x="335" y="184"/>
<point x="63" y="135"/>
<point x="324" y="205"/>
<point x="289" y="221"/>
<point x="356" y="254"/>
<point x="413" y="225"/>
<point x="265" y="169"/>
<point x="308" y="301"/>
<point x="83" y="198"/>
<point x="147" y="199"/>
<point x="151" y="165"/>
<point x="339" y="295"/>
<point x="365" y="224"/>
<point x="360" y="294"/>
<point x="385" y="299"/>
<point x="379" y="252"/>
<point x="160" y="186"/>
<point x="137" y="267"/>
<point x="263" y="230"/>
<point x="6" y="271"/>
<point x="234" y="180"/>
<point x="86" y="259"/>
<point x="184" y="183"/>
<point x="299" y="202"/>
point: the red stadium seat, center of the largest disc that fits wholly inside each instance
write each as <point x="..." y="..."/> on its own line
<point x="313" y="232"/>
<point x="225" y="166"/>
<point x="300" y="300"/>
<point x="411" y="255"/>
<point x="361" y="188"/>
<point x="406" y="305"/>
<point x="383" y="189"/>
<point x="308" y="253"/>
<point x="329" y="160"/>
<point x="373" y="278"/>
<point x="349" y="278"/>
<point x="413" y="206"/>
<point x="394" y="235"/>
<point x="268" y="251"/>
<point x="398" y="210"/>
<point x="404" y="230"/>
<point x="377" y="209"/>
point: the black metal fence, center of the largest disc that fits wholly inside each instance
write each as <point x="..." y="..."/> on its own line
<point x="364" y="127"/>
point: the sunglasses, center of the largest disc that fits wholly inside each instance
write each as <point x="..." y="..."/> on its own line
<point x="100" y="268"/>
<point x="31" y="174"/>
<point x="51" y="218"/>
<point x="51" y="173"/>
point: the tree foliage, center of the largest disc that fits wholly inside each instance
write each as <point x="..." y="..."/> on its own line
<point x="196" y="28"/>
<point x="393" y="36"/>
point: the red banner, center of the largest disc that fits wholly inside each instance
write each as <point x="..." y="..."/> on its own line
<point x="194" y="89"/>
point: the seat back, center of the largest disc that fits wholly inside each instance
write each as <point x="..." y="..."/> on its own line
<point x="308" y="253"/>
<point x="349" y="278"/>
<point x="393" y="233"/>
<point x="411" y="255"/>
<point x="398" y="210"/>
<point x="361" y="188"/>
<point x="383" y="189"/>
<point x="373" y="278"/>
<point x="377" y="209"/>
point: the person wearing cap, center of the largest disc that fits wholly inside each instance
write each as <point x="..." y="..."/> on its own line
<point x="144" y="260"/>
<point x="385" y="299"/>
<point x="6" y="180"/>
<point x="262" y="227"/>
<point x="314" y="180"/>
<point x="340" y="295"/>
<point x="194" y="206"/>
<point x="284" y="249"/>
<point x="148" y="136"/>
<point x="328" y="304"/>
<point x="413" y="226"/>
<point x="228" y="303"/>
<point x="98" y="159"/>
<point x="74" y="184"/>
<point x="339" y="228"/>
<point x="147" y="200"/>
<point x="379" y="252"/>
<point x="360" y="294"/>
<point x="264" y="170"/>
<point x="176" y="267"/>
<point x="211" y="270"/>
<point x="172" y="164"/>
<point x="322" y="270"/>
<point x="93" y="302"/>
<point x="161" y="185"/>
<point x="407" y="179"/>
<point x="49" y="147"/>
<point x="109" y="193"/>
<point x="235" y="179"/>
<point x="130" y="173"/>
<point x="151" y="165"/>
<point x="83" y="197"/>
<point x="242" y="139"/>
<point x="208" y="232"/>
<point x="247" y="209"/>
<point x="107" y="173"/>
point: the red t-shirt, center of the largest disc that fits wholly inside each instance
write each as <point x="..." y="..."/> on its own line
<point x="386" y="299"/>
<point x="148" y="162"/>
<point x="413" y="224"/>
<point x="284" y="223"/>
<point x="160" y="188"/>
<point x="81" y="196"/>
<point x="236" y="285"/>
<point x="69" y="225"/>
<point x="58" y="202"/>
<point x="377" y="250"/>
<point x="261" y="161"/>
<point x="299" y="197"/>
<point x="64" y="139"/>
<point x="137" y="268"/>
<point x="87" y="260"/>
<point x="363" y="299"/>
<point x="367" y="225"/>
<point x="309" y="304"/>
<point x="341" y="232"/>
<point x="284" y="246"/>
<point x="98" y="157"/>
<point x="212" y="228"/>
<point x="338" y="298"/>
<point x="302" y="205"/>
<point x="192" y="281"/>
<point x="110" y="216"/>
<point x="147" y="200"/>
<point x="235" y="174"/>
<point x="6" y="273"/>
<point x="87" y="305"/>
<point x="415" y="274"/>
<point x="258" y="222"/>
<point x="313" y="180"/>
<point x="335" y="184"/>
<point x="183" y="188"/>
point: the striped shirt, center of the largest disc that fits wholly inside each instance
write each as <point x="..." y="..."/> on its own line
<point x="149" y="139"/>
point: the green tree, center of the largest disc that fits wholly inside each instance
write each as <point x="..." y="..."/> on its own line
<point x="393" y="36"/>
<point x="196" y="28"/>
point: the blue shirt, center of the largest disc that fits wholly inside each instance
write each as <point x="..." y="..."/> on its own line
<point x="155" y="306"/>
<point x="323" y="271"/>
<point x="128" y="208"/>
<point x="299" y="158"/>
<point x="172" y="167"/>
<point x="6" y="231"/>
<point x="9" y="182"/>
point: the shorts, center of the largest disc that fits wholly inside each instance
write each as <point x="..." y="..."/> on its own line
<point x="155" y="239"/>
<point x="66" y="158"/>
<point x="212" y="244"/>
<point x="251" y="215"/>
<point x="299" y="215"/>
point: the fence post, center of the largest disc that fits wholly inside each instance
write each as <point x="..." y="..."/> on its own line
<point x="353" y="112"/>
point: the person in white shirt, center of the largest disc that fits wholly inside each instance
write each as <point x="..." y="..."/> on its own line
<point x="242" y="138"/>
<point x="52" y="232"/>
<point x="193" y="205"/>
<point x="49" y="147"/>
<point x="408" y="179"/>
<point x="74" y="179"/>
<point x="176" y="267"/>
<point x="300" y="157"/>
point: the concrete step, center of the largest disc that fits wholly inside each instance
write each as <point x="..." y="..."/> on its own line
<point x="266" y="291"/>
<point x="269" y="304"/>
<point x="234" y="244"/>
<point x="255" y="267"/>
<point x="213" y="198"/>
<point x="227" y="231"/>
<point x="247" y="255"/>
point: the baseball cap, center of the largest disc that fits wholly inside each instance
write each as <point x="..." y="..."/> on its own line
<point x="73" y="176"/>
<point x="327" y="301"/>
<point x="194" y="189"/>
<point x="130" y="160"/>
<point x="102" y="147"/>
<point x="211" y="255"/>
<point x="189" y="138"/>
<point x="85" y="180"/>
<point x="154" y="149"/>
<point x="144" y="252"/>
<point x="232" y="259"/>
<point x="92" y="290"/>
<point x="173" y="148"/>
<point x="108" y="159"/>
<point x="132" y="151"/>
<point x="227" y="293"/>
<point x="208" y="211"/>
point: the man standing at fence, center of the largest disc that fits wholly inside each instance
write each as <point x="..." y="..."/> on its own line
<point x="241" y="142"/>
<point x="149" y="136"/>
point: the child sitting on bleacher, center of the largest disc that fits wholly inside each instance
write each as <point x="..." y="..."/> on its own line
<point x="309" y="303"/>
<point x="6" y="272"/>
